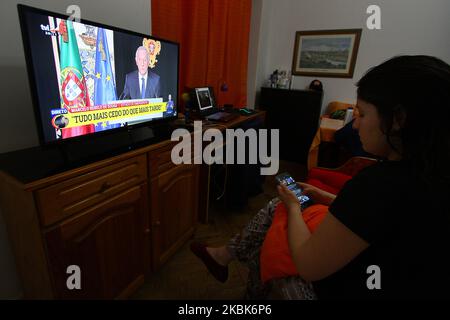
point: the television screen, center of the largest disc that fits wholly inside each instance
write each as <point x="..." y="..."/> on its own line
<point x="88" y="78"/>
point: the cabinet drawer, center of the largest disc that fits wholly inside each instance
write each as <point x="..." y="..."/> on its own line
<point x="165" y="160"/>
<point x="69" y="197"/>
<point x="161" y="160"/>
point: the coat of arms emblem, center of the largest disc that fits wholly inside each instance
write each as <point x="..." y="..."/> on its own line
<point x="154" y="48"/>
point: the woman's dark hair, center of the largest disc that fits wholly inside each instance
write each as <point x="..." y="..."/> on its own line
<point x="415" y="91"/>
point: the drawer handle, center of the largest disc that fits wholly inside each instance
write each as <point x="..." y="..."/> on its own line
<point x="157" y="223"/>
<point x="105" y="186"/>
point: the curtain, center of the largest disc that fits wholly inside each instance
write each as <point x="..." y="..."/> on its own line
<point x="214" y="40"/>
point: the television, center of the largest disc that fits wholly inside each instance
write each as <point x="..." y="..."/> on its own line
<point x="88" y="78"/>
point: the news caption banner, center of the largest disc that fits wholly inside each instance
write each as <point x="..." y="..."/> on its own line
<point x="113" y="112"/>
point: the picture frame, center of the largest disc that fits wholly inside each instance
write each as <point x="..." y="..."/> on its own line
<point x="204" y="98"/>
<point x="326" y="53"/>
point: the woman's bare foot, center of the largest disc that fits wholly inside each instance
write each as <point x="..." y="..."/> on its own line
<point x="216" y="260"/>
<point x="221" y="255"/>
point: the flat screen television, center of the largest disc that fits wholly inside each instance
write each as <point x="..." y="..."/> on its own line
<point x="88" y="78"/>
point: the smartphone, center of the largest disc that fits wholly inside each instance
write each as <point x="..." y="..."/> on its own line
<point x="289" y="182"/>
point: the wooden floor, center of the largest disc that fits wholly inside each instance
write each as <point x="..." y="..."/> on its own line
<point x="184" y="277"/>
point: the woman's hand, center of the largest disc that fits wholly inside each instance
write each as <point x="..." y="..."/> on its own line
<point x="319" y="196"/>
<point x="288" y="198"/>
<point x="298" y="232"/>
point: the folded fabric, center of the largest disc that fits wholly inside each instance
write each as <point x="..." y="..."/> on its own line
<point x="275" y="257"/>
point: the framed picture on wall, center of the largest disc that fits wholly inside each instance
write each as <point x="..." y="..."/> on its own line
<point x="326" y="53"/>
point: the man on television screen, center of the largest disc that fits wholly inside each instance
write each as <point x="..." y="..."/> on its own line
<point x="142" y="83"/>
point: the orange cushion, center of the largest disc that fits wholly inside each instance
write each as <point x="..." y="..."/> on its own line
<point x="333" y="179"/>
<point x="275" y="258"/>
<point x="319" y="184"/>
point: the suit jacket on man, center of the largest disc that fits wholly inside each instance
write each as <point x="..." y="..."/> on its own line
<point x="132" y="86"/>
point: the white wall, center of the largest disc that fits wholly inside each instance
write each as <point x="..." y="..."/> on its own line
<point x="18" y="129"/>
<point x="407" y="27"/>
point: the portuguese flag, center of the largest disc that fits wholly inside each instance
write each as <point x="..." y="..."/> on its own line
<point x="74" y="93"/>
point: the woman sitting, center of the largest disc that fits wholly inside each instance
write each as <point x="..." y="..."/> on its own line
<point x="386" y="234"/>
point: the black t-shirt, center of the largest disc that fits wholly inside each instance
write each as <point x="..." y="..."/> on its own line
<point x="408" y="230"/>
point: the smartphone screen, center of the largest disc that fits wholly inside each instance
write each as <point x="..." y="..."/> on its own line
<point x="289" y="182"/>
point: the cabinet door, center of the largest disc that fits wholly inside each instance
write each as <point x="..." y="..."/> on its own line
<point x="174" y="202"/>
<point x="108" y="242"/>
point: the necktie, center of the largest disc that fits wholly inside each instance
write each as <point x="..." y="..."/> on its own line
<point x="143" y="88"/>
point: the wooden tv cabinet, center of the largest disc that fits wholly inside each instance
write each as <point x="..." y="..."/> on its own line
<point x="118" y="219"/>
